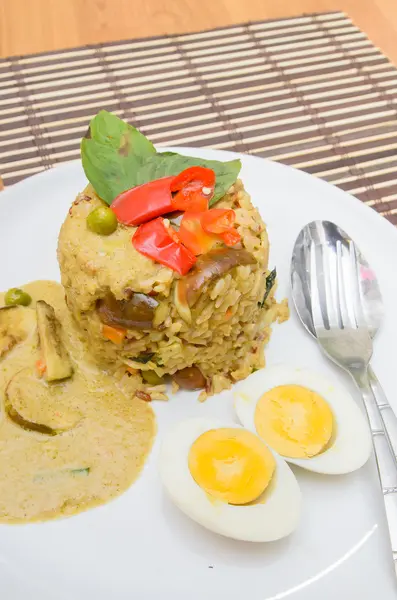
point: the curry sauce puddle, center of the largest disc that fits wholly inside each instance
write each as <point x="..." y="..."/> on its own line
<point x="105" y="437"/>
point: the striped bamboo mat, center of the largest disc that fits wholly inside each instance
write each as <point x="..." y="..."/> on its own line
<point x="311" y="92"/>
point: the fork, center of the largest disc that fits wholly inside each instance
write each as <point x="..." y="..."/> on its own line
<point x="344" y="337"/>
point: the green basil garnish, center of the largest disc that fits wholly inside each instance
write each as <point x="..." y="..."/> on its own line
<point x="117" y="157"/>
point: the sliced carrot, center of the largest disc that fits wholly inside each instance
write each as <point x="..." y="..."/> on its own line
<point x="131" y="370"/>
<point x="228" y="314"/>
<point x="41" y="367"/>
<point x="114" y="334"/>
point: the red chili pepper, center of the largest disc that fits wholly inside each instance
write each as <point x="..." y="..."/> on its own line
<point x="200" y="175"/>
<point x="193" y="236"/>
<point x="218" y="220"/>
<point x="162" y="244"/>
<point x="144" y="202"/>
<point x="230" y="237"/>
<point x="190" y="201"/>
<point x="193" y="189"/>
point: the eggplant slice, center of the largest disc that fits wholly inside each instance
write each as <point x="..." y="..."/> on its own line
<point x="135" y="313"/>
<point x="208" y="268"/>
<point x="35" y="405"/>
<point x="23" y="423"/>
<point x="56" y="358"/>
<point x="190" y="378"/>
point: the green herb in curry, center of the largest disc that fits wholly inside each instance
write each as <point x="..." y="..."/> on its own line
<point x="270" y="281"/>
<point x="143" y="358"/>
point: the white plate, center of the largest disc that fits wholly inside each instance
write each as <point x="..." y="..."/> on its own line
<point x="140" y="546"/>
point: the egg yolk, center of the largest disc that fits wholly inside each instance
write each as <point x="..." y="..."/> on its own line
<point x="233" y="465"/>
<point x="295" y="421"/>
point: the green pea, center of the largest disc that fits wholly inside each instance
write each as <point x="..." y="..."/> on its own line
<point x="152" y="378"/>
<point x="102" y="220"/>
<point x="16" y="296"/>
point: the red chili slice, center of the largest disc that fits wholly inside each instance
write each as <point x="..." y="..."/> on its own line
<point x="193" y="188"/>
<point x="218" y="220"/>
<point x="144" y="202"/>
<point x="193" y="236"/>
<point x="162" y="244"/>
<point x="230" y="237"/>
<point x="201" y="175"/>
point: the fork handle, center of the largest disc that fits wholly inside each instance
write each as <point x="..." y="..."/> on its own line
<point x="385" y="456"/>
<point x="389" y="419"/>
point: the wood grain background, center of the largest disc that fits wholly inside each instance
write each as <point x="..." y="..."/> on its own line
<point x="28" y="26"/>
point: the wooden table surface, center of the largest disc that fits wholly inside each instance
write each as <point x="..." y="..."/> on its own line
<point x="28" y="26"/>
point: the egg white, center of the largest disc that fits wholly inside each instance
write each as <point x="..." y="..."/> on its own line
<point x="351" y="443"/>
<point x="276" y="518"/>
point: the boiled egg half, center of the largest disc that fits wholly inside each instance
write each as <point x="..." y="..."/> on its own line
<point x="305" y="418"/>
<point x="226" y="478"/>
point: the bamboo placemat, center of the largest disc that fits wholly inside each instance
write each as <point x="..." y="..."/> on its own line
<point x="311" y="92"/>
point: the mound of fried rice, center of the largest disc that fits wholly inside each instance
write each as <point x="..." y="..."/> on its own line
<point x="230" y="322"/>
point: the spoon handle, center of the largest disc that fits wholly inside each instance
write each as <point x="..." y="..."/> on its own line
<point x="387" y="414"/>
<point x="385" y="457"/>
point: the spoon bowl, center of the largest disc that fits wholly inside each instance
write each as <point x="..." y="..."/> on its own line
<point x="328" y="234"/>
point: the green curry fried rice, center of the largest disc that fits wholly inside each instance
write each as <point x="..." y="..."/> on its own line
<point x="219" y="328"/>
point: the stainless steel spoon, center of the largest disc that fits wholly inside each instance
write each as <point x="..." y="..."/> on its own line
<point x="338" y="300"/>
<point x="370" y="298"/>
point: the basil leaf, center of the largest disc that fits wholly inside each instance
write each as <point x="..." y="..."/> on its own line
<point x="117" y="157"/>
<point x="270" y="281"/>
<point x="108" y="172"/>
<point x="111" y="131"/>
<point x="111" y="153"/>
